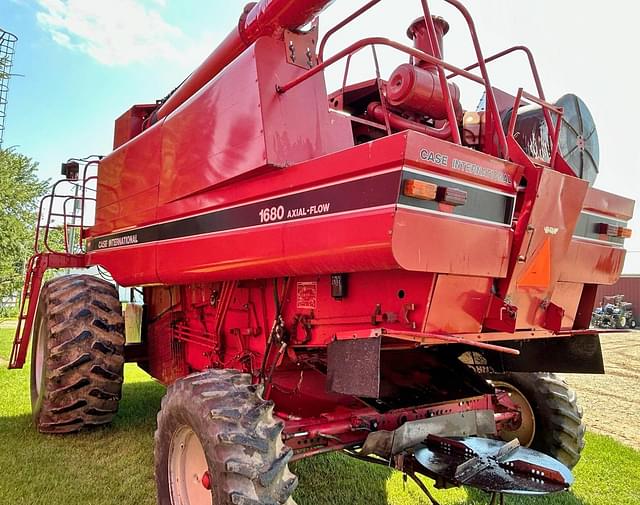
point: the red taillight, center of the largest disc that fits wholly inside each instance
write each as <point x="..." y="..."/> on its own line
<point x="452" y="196"/>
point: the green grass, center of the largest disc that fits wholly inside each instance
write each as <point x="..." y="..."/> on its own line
<point x="115" y="464"/>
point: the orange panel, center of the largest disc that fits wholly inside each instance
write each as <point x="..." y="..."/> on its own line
<point x="538" y="273"/>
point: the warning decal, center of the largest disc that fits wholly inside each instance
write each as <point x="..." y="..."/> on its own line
<point x="307" y="295"/>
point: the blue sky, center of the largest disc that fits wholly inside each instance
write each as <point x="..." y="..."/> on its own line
<point x="75" y="83"/>
<point x="87" y="61"/>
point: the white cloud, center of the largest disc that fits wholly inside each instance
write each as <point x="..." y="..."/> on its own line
<point x="117" y="32"/>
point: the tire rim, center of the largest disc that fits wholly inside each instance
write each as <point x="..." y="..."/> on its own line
<point x="41" y="348"/>
<point x="527" y="430"/>
<point x="623" y="321"/>
<point x="189" y="477"/>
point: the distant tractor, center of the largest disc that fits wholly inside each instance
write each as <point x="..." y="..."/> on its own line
<point x="614" y="312"/>
<point x="374" y="270"/>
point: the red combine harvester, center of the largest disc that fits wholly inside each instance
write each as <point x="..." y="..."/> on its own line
<point x="374" y="270"/>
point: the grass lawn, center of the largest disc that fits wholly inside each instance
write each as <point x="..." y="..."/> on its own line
<point x="114" y="465"/>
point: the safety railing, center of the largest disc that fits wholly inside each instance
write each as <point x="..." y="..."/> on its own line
<point x="436" y="60"/>
<point x="547" y="108"/>
<point x="416" y="53"/>
<point x="71" y="222"/>
<point x="439" y="64"/>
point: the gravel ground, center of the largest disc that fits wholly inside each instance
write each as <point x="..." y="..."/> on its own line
<point x="611" y="402"/>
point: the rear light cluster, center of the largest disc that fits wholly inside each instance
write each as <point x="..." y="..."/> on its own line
<point x="415" y="188"/>
<point x="612" y="230"/>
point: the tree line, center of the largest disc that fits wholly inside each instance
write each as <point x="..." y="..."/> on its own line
<point x="20" y="191"/>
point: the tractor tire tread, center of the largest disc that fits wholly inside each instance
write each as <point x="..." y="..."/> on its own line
<point x="246" y="453"/>
<point x="560" y="429"/>
<point x="85" y="354"/>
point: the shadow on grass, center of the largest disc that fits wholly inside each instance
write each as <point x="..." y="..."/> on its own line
<point x="138" y="408"/>
<point x="332" y="479"/>
<point x="139" y="405"/>
<point x="476" y="496"/>
<point x="336" y="479"/>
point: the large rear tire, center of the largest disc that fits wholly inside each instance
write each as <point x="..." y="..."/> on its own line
<point x="556" y="427"/>
<point x="217" y="442"/>
<point x="77" y="354"/>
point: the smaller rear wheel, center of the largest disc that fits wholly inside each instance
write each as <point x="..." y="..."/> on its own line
<point x="551" y="418"/>
<point x="526" y="432"/>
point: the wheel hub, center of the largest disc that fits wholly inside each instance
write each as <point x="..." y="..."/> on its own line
<point x="526" y="432"/>
<point x="190" y="481"/>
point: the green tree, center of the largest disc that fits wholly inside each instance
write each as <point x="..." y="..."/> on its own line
<point x="20" y="190"/>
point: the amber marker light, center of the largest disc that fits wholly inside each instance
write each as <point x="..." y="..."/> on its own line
<point x="612" y="230"/>
<point x="415" y="188"/>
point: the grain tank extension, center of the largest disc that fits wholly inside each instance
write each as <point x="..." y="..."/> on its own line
<point x="372" y="269"/>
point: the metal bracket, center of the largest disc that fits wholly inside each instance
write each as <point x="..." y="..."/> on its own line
<point x="501" y="315"/>
<point x="553" y="315"/>
<point x="301" y="46"/>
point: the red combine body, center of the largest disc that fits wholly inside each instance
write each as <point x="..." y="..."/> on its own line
<point x="366" y="259"/>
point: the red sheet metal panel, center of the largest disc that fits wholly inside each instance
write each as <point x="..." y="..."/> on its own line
<point x="461" y="162"/>
<point x="214" y="136"/>
<point x="567" y="295"/>
<point x="547" y="239"/>
<point x="437" y="243"/>
<point x="592" y="263"/>
<point x="330" y="244"/>
<point x="130" y="171"/>
<point x="608" y="203"/>
<point x="248" y="125"/>
<point x="459" y="304"/>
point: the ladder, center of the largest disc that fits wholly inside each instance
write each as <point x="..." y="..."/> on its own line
<point x="30" y="291"/>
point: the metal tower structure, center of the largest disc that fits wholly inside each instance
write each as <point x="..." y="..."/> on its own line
<point x="7" y="50"/>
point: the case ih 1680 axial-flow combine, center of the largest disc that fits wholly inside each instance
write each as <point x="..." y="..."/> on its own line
<point x="374" y="270"/>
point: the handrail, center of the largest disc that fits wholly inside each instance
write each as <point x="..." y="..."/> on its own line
<point x="416" y="53"/>
<point x="342" y="24"/>
<point x="498" y="55"/>
<point x="85" y="180"/>
<point x="436" y="61"/>
<point x="534" y="73"/>
<point x="378" y="41"/>
<point x="56" y="195"/>
<point x="490" y="97"/>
